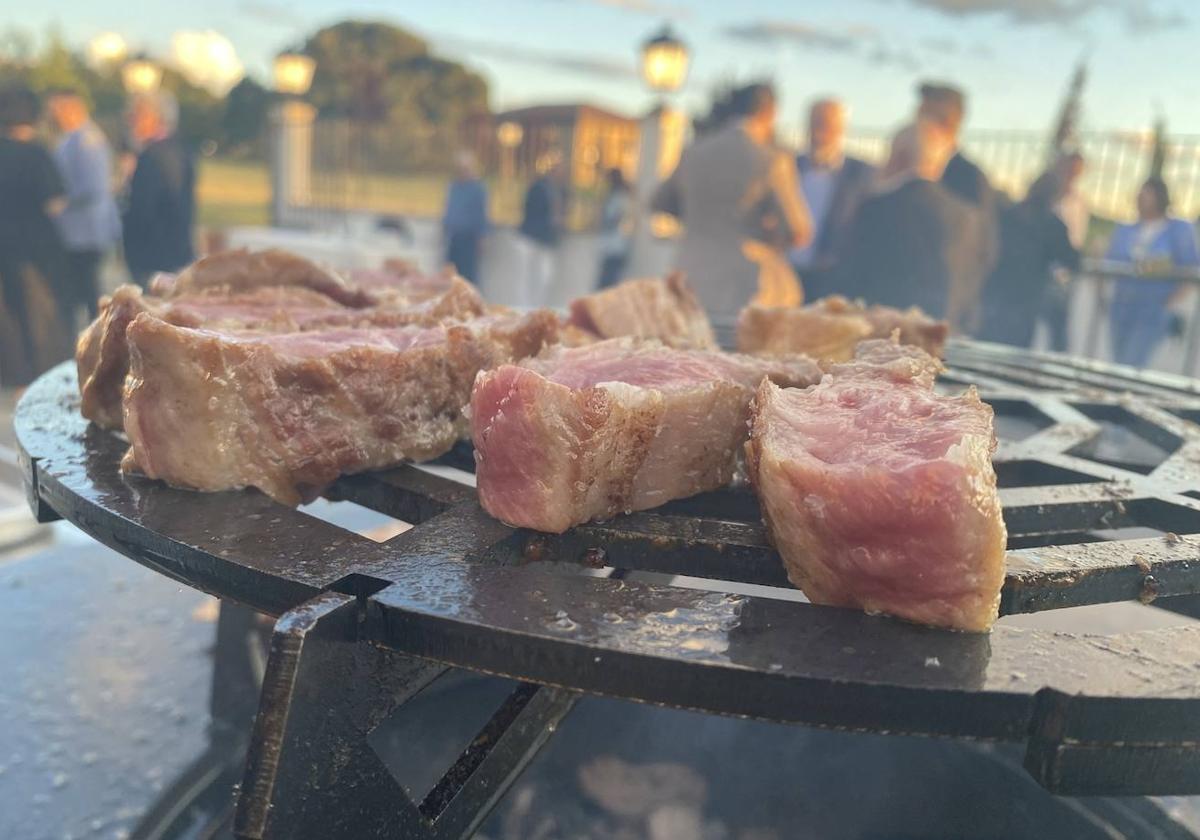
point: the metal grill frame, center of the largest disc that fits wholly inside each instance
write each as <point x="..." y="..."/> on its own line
<point x="364" y="625"/>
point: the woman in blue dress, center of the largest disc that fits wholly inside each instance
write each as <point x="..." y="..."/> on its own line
<point x="1140" y="310"/>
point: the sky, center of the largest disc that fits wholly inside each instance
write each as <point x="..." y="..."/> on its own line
<point x="1013" y="57"/>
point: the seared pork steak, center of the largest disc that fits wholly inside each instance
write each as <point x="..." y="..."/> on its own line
<point x="830" y="328"/>
<point x="102" y="357"/>
<point x="666" y="309"/>
<point x="585" y="433"/>
<point x="289" y="413"/>
<point x="879" y="493"/>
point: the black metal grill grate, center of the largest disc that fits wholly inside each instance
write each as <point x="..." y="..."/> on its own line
<point x="1100" y="475"/>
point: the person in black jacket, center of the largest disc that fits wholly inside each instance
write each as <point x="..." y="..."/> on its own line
<point x="900" y="250"/>
<point x="31" y="253"/>
<point x="541" y="229"/>
<point x="834" y="184"/>
<point x="1033" y="241"/>
<point x="944" y="106"/>
<point x="159" y="217"/>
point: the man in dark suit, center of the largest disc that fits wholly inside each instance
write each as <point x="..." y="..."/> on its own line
<point x="161" y="203"/>
<point x="833" y="185"/>
<point x="944" y="107"/>
<point x="541" y="229"/>
<point x="902" y="252"/>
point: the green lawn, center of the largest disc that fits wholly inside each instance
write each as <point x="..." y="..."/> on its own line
<point x="239" y="193"/>
<point x="230" y="193"/>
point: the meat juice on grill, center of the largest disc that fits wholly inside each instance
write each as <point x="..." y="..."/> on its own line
<point x="584" y="433"/>
<point x="879" y="493"/>
<point x="830" y="328"/>
<point x="664" y="309"/>
<point x="289" y="413"/>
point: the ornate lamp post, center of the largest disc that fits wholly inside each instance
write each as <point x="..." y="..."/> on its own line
<point x="293" y="73"/>
<point x="664" y="68"/>
<point x="664" y="62"/>
<point x="291" y="135"/>
<point x="509" y="135"/>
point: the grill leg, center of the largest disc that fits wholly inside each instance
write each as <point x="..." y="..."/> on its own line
<point x="200" y="795"/>
<point x="310" y="771"/>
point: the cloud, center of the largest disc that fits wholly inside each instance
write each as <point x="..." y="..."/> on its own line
<point x="940" y="45"/>
<point x="646" y="7"/>
<point x="651" y="8"/>
<point x="1019" y="11"/>
<point x="1141" y="19"/>
<point x="886" y="56"/>
<point x="860" y="40"/>
<point x="268" y="12"/>
<point x="577" y="63"/>
<point x="982" y="49"/>
<point x="796" y="34"/>
<point x="1140" y="16"/>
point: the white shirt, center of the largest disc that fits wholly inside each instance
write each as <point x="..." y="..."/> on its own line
<point x="1073" y="210"/>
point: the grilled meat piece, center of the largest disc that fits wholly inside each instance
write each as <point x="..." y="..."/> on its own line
<point x="288" y="413"/>
<point x="879" y="493"/>
<point x="666" y="309"/>
<point x="584" y="433"/>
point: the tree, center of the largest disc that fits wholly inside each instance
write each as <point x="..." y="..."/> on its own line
<point x="244" y="120"/>
<point x="16" y="54"/>
<point x="378" y="74"/>
<point x="57" y="66"/>
<point x="199" y="111"/>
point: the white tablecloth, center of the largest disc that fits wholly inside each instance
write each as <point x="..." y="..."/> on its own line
<point x="343" y="250"/>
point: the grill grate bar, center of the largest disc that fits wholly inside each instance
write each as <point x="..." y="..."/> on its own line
<point x="739" y="552"/>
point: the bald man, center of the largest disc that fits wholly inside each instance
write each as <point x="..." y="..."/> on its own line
<point x="904" y="243"/>
<point x="833" y="185"/>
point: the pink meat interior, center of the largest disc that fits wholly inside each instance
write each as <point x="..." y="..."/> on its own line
<point x="875" y="423"/>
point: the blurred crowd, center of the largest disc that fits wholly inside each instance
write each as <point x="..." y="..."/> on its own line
<point x="761" y="224"/>
<point x="67" y="200"/>
<point x="926" y="228"/>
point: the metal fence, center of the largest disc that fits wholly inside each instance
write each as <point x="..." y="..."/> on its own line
<point x="373" y="168"/>
<point x="1117" y="162"/>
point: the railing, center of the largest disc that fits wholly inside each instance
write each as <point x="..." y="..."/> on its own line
<point x="1103" y="273"/>
<point x="1116" y="164"/>
<point x="371" y="168"/>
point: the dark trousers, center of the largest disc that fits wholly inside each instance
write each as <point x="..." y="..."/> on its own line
<point x="19" y="371"/>
<point x="83" y="282"/>
<point x="1055" y="314"/>
<point x="462" y="251"/>
<point x="612" y="269"/>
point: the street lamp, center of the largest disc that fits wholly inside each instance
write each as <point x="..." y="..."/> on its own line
<point x="293" y="73"/>
<point x="664" y="69"/>
<point x="510" y="134"/>
<point x="664" y="62"/>
<point x="141" y="76"/>
<point x="291" y="124"/>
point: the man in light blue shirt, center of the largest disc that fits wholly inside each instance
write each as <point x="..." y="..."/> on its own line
<point x="834" y="185"/>
<point x="90" y="224"/>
